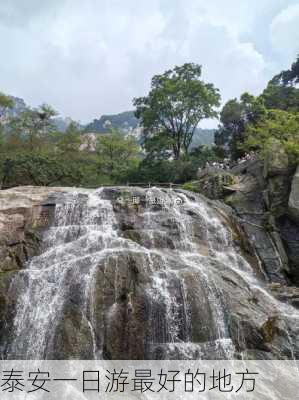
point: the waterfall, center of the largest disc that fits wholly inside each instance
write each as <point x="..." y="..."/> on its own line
<point x="183" y="250"/>
<point x="83" y="229"/>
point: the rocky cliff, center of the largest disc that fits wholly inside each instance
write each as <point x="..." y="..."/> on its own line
<point x="264" y="196"/>
<point x="130" y="273"/>
<point x="24" y="215"/>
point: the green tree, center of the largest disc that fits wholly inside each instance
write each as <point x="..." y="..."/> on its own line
<point x="27" y="168"/>
<point x="234" y="118"/>
<point x="157" y="147"/>
<point x="275" y="124"/>
<point x="69" y="142"/>
<point x="117" y="156"/>
<point x="32" y="128"/>
<point x="158" y="170"/>
<point x="277" y="95"/>
<point x="282" y="92"/>
<point x="5" y="103"/>
<point x="177" y="102"/>
<point x="291" y="76"/>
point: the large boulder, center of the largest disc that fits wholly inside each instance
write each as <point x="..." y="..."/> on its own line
<point x="276" y="160"/>
<point x="278" y="171"/>
<point x="215" y="183"/>
<point x="294" y="197"/>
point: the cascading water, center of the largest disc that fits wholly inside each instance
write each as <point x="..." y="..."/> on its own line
<point x="183" y="247"/>
<point x="82" y="230"/>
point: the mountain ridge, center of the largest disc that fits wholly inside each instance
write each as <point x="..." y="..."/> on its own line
<point x="125" y="122"/>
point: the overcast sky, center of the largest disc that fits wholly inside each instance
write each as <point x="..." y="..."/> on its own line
<point x="90" y="57"/>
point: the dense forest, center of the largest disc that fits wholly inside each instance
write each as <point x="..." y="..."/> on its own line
<point x="34" y="152"/>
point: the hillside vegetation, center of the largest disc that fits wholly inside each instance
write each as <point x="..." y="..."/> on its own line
<point x="159" y="142"/>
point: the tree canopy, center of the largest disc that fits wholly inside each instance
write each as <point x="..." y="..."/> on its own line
<point x="31" y="128"/>
<point x="280" y="125"/>
<point x="281" y="92"/>
<point x="5" y="102"/>
<point x="177" y="102"/>
<point x="34" y="151"/>
<point x="117" y="156"/>
<point x="251" y="121"/>
<point x="234" y="117"/>
<point x="290" y="77"/>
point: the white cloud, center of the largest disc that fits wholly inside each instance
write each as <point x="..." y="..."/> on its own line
<point x="284" y="31"/>
<point x="92" y="57"/>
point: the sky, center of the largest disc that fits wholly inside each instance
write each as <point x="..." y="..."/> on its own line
<point x="92" y="57"/>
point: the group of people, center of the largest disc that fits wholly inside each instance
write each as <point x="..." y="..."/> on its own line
<point x="247" y="157"/>
<point x="227" y="163"/>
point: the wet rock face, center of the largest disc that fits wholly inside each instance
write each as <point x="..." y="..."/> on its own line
<point x="277" y="161"/>
<point x="128" y="273"/>
<point x="23" y="217"/>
